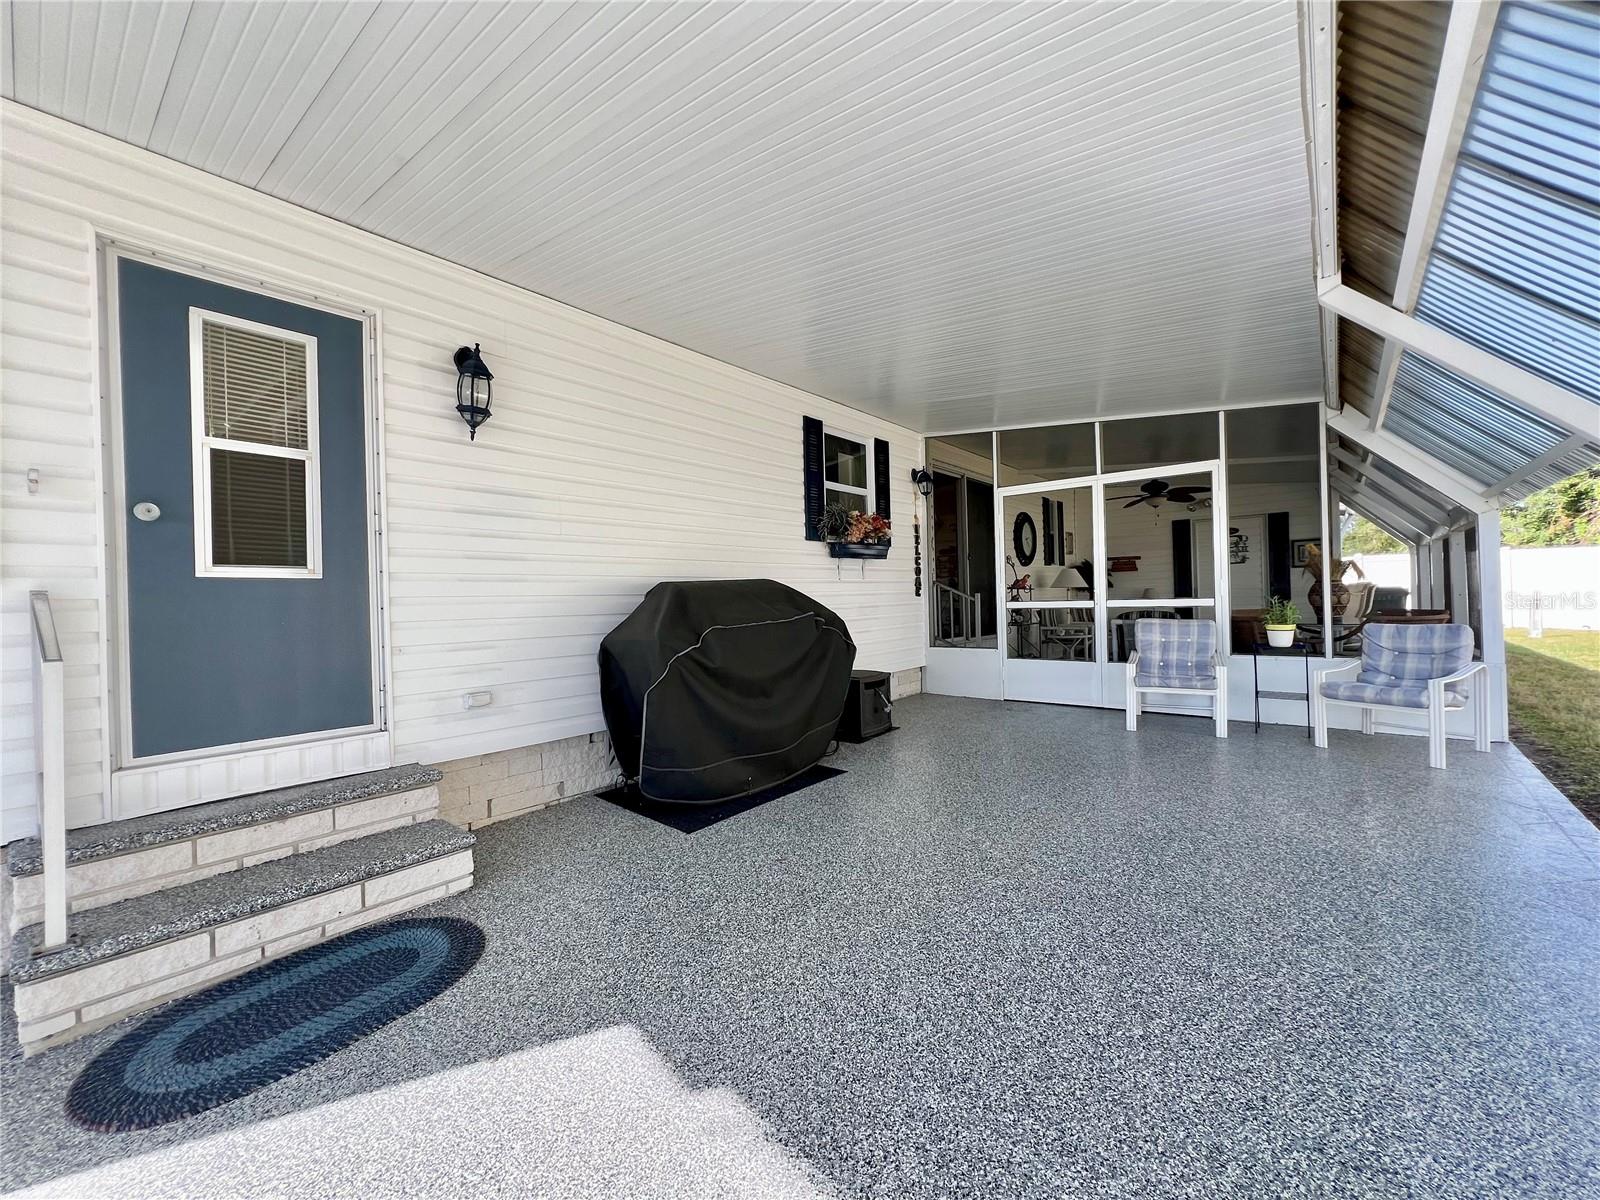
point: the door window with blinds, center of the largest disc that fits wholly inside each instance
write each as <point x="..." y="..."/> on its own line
<point x="254" y="398"/>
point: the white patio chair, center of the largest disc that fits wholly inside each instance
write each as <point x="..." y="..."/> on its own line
<point x="1408" y="668"/>
<point x="1177" y="657"/>
<point x="1070" y="635"/>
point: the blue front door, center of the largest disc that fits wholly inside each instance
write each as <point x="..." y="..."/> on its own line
<point x="245" y="515"/>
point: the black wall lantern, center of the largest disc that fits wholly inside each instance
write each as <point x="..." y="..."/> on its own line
<point x="923" y="478"/>
<point x="472" y="389"/>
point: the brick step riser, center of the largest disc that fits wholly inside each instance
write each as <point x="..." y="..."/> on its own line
<point x="60" y="1008"/>
<point x="141" y="872"/>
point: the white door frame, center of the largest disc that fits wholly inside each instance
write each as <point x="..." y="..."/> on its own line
<point x="1102" y="682"/>
<point x="156" y="783"/>
<point x="1040" y="680"/>
<point x="963" y="565"/>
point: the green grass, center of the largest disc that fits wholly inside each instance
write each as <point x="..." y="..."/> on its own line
<point x="1555" y="708"/>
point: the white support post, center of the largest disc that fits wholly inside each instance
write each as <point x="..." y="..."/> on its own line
<point x="1491" y="603"/>
<point x="1330" y="530"/>
<point x="1102" y="610"/>
<point x="1436" y="568"/>
<point x="1460" y="603"/>
<point x="1219" y="560"/>
<point x="1332" y="547"/>
<point x="1002" y="631"/>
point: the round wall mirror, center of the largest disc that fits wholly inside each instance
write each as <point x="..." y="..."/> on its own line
<point x="1025" y="538"/>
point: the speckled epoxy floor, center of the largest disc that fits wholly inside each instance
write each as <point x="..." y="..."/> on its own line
<point x="1016" y="951"/>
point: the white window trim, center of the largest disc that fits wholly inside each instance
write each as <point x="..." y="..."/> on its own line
<point x="868" y="494"/>
<point x="201" y="445"/>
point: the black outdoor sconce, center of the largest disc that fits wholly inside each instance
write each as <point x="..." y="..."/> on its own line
<point x="472" y="389"/>
<point x="923" y="478"/>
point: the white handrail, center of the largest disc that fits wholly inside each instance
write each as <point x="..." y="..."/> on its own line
<point x="953" y="608"/>
<point x="50" y="744"/>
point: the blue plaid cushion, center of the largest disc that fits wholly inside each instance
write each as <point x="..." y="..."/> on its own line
<point x="1398" y="660"/>
<point x="1400" y="654"/>
<point x="1175" y="654"/>
<point x="1409" y="695"/>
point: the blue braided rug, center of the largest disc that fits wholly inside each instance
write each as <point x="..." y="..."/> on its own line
<point x="226" y="1042"/>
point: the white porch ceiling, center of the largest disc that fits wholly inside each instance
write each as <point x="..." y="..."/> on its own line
<point x="953" y="215"/>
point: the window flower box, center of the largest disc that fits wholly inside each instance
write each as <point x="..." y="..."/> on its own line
<point x="858" y="549"/>
<point x="851" y="533"/>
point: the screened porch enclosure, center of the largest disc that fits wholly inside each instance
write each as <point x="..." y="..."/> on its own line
<point x="1205" y="516"/>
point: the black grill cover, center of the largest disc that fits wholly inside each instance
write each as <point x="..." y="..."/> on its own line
<point x="716" y="689"/>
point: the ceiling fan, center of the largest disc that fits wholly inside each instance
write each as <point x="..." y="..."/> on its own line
<point x="1152" y="491"/>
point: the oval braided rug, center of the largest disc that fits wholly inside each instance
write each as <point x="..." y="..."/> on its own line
<point x="256" y="1028"/>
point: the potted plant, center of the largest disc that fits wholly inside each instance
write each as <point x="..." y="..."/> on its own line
<point x="1280" y="618"/>
<point x="834" y="524"/>
<point x="851" y="533"/>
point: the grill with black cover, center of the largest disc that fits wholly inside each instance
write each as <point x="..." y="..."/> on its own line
<point x="719" y="688"/>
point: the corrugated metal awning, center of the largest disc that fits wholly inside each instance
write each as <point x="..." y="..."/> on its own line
<point x="1463" y="425"/>
<point x="1388" y="61"/>
<point x="1515" y="265"/>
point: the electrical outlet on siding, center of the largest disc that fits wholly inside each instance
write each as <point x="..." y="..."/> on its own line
<point x="477" y="699"/>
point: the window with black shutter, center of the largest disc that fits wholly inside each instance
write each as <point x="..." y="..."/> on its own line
<point x="843" y="468"/>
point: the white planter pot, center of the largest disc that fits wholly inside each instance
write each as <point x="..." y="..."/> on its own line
<point x="1280" y="637"/>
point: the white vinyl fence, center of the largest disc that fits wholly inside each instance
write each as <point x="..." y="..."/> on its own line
<point x="1385" y="570"/>
<point x="1556" y="587"/>
<point x="1549" y="587"/>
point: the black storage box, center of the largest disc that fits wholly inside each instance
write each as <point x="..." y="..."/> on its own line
<point x="866" y="707"/>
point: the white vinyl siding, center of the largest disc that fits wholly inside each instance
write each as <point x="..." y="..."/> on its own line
<point x="508" y="558"/>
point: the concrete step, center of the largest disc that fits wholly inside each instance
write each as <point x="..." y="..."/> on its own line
<point x="110" y="863"/>
<point x="134" y="954"/>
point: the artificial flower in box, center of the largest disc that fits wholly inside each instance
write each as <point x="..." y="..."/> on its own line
<point x="841" y="524"/>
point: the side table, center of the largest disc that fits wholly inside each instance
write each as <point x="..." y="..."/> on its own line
<point x="1261" y="650"/>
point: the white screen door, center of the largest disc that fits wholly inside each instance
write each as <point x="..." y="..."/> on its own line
<point x="1163" y="560"/>
<point x="1082" y="560"/>
<point x="1048" y="630"/>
